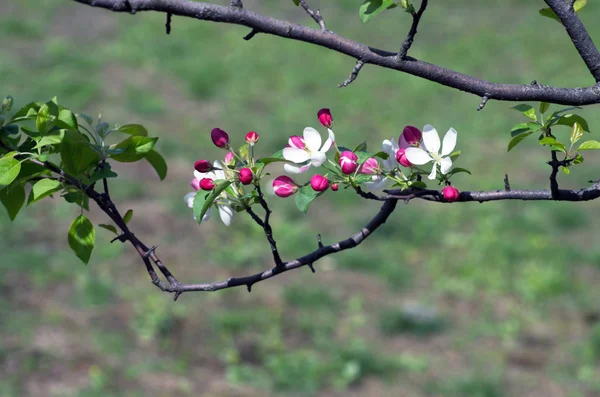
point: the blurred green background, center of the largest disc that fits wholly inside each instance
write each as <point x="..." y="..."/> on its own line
<point x="490" y="300"/>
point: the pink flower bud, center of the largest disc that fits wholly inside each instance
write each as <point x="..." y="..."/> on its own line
<point x="219" y="137"/>
<point x="319" y="183"/>
<point x="203" y="166"/>
<point x="325" y="118"/>
<point x="335" y="187"/>
<point x="348" y="162"/>
<point x="370" y="167"/>
<point x="412" y="135"/>
<point x="207" y="184"/>
<point x="297" y="142"/>
<point x="284" y="186"/>
<point x="451" y="194"/>
<point x="195" y="184"/>
<point x="401" y="158"/>
<point x="246" y="176"/>
<point x="252" y="137"/>
<point x="229" y="157"/>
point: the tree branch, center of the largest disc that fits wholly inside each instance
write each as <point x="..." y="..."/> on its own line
<point x="315" y="15"/>
<point x="578" y="34"/>
<point x="413" y="30"/>
<point x="446" y="77"/>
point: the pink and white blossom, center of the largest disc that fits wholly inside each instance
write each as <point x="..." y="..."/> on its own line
<point x="430" y="150"/>
<point x="307" y="151"/>
<point x="284" y="186"/>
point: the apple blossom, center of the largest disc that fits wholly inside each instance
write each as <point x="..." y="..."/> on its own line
<point x="401" y="158"/>
<point x="284" y="186"/>
<point x="228" y="158"/>
<point x="411" y="135"/>
<point x="370" y="167"/>
<point x="451" y="194"/>
<point x="207" y="184"/>
<point x="430" y="150"/>
<point x="202" y="166"/>
<point x="219" y="138"/>
<point x="246" y="176"/>
<point x="325" y="117"/>
<point x="348" y="162"/>
<point x="307" y="151"/>
<point x="319" y="183"/>
<point x="195" y="184"/>
<point x="252" y="138"/>
<point x="335" y="187"/>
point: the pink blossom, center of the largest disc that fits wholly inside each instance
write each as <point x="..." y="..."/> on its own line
<point x="411" y="135"/>
<point x="348" y="162"/>
<point x="219" y="137"/>
<point x="195" y="184"/>
<point x="370" y="167"/>
<point x="252" y="137"/>
<point x="207" y="184"/>
<point x="451" y="194"/>
<point x="284" y="186"/>
<point x="335" y="187"/>
<point x="401" y="158"/>
<point x="246" y="176"/>
<point x="297" y="142"/>
<point x="203" y="166"/>
<point x="229" y="157"/>
<point x="325" y="117"/>
<point x="319" y="183"/>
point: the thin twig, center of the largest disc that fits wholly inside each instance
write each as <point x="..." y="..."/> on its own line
<point x="353" y="75"/>
<point x="168" y="23"/>
<point x="484" y="100"/>
<point x="315" y="15"/>
<point x="410" y="37"/>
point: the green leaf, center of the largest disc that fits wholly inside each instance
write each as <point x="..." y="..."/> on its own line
<point x="27" y="112"/>
<point x="526" y="110"/>
<point x="104" y="173"/>
<point x="362" y="156"/>
<point x="43" y="188"/>
<point x="46" y="117"/>
<point x="544" y="107"/>
<point x="522" y="128"/>
<point x="82" y="238"/>
<point x="30" y="170"/>
<point x="578" y="159"/>
<point x="570" y="119"/>
<point x="589" y="145"/>
<point x="371" y="8"/>
<point x="110" y="228"/>
<point x="158" y="163"/>
<point x="76" y="154"/>
<point x="576" y="133"/>
<point x="547" y="12"/>
<point x="359" y="179"/>
<point x="86" y="118"/>
<point x="361" y="147"/>
<point x="66" y="119"/>
<point x="517" y="139"/>
<point x="304" y="197"/>
<point x="134" y="148"/>
<point x="548" y="140"/>
<point x="297" y="2"/>
<point x="9" y="129"/>
<point x="133" y="129"/>
<point x="52" y="138"/>
<point x="458" y="170"/>
<point x="203" y="201"/>
<point x="566" y="170"/>
<point x="9" y="169"/>
<point x="382" y="155"/>
<point x="7" y="104"/>
<point x="13" y="198"/>
<point x="277" y="156"/>
<point x="454" y="155"/>
<point x="127" y="217"/>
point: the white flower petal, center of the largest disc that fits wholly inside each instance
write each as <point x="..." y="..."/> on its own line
<point x="445" y="165"/>
<point x="433" y="172"/>
<point x="388" y="147"/>
<point x="449" y="142"/>
<point x="378" y="182"/>
<point x="188" y="199"/>
<point x="317" y="159"/>
<point x="417" y="156"/>
<point x="292" y="169"/>
<point x="226" y="213"/>
<point x="431" y="139"/>
<point x="295" y="155"/>
<point x="329" y="142"/>
<point x="312" y="139"/>
<point x="402" y="143"/>
<point x="207" y="215"/>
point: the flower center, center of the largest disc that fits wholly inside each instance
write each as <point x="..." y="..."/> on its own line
<point x="436" y="157"/>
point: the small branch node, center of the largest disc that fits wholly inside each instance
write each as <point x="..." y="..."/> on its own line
<point x="311" y="267"/>
<point x="353" y="75"/>
<point x="506" y="183"/>
<point x="315" y="15"/>
<point x="168" y="23"/>
<point x="319" y="241"/>
<point x="249" y="287"/>
<point x="150" y="251"/>
<point x="236" y="4"/>
<point x="250" y="35"/>
<point x="177" y="295"/>
<point x="484" y="100"/>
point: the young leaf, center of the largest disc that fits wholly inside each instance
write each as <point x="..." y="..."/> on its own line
<point x="76" y="154"/>
<point x="517" y="139"/>
<point x="459" y="170"/>
<point x="578" y="159"/>
<point x="566" y="170"/>
<point x="27" y="112"/>
<point x="127" y="217"/>
<point x="43" y="188"/>
<point x="66" y="119"/>
<point x="46" y="117"/>
<point x="570" y="119"/>
<point x="110" y="228"/>
<point x="304" y="197"/>
<point x="382" y="155"/>
<point x="576" y="133"/>
<point x="82" y="238"/>
<point x="544" y="107"/>
<point x="158" y="163"/>
<point x="526" y="110"/>
<point x="361" y="147"/>
<point x="552" y="142"/>
<point x="52" y="138"/>
<point x="371" y="8"/>
<point x="277" y="156"/>
<point x="133" y="129"/>
<point x="589" y="145"/>
<point x="203" y="201"/>
<point x="104" y="173"/>
<point x="134" y="148"/>
<point x="363" y="156"/>
<point x="13" y="198"/>
<point x="9" y="169"/>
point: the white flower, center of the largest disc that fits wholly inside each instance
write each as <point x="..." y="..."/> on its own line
<point x="222" y="203"/>
<point x="431" y="147"/>
<point x="390" y="147"/>
<point x="310" y="152"/>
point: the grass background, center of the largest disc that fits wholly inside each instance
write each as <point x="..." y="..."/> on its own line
<point x="490" y="300"/>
